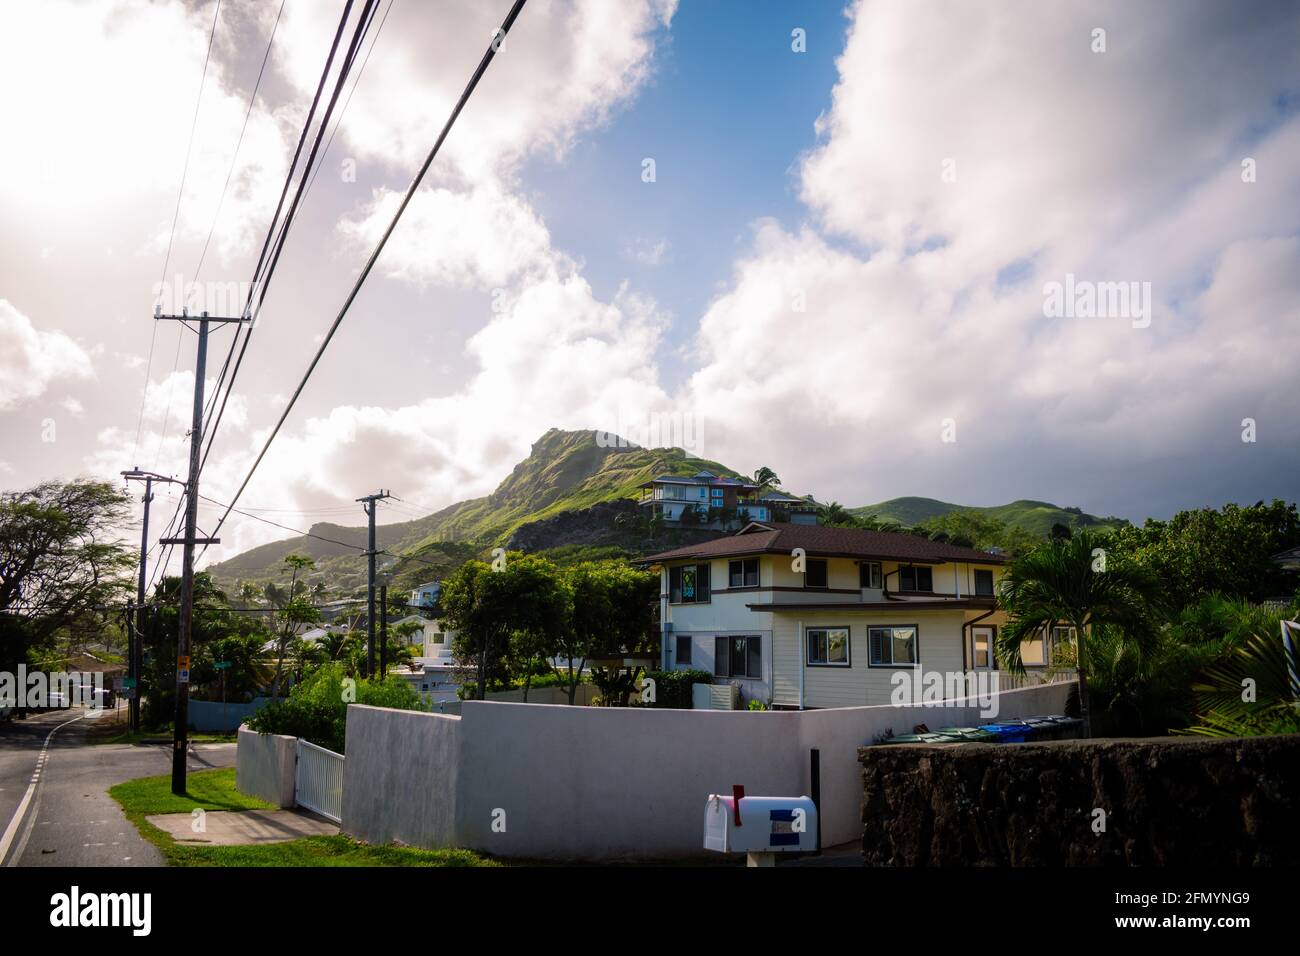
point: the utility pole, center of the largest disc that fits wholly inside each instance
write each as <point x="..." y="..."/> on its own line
<point x="383" y="630"/>
<point x="180" y="733"/>
<point x="136" y="633"/>
<point x="368" y="505"/>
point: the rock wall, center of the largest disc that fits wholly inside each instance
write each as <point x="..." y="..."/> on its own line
<point x="1168" y="801"/>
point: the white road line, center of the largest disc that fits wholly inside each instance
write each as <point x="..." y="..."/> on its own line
<point x="12" y="830"/>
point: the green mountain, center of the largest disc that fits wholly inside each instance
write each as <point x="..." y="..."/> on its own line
<point x="572" y="497"/>
<point x="565" y="471"/>
<point x="1036" y="517"/>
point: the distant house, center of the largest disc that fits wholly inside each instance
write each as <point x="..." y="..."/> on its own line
<point x="426" y="595"/>
<point x="709" y="500"/>
<point x="806" y="616"/>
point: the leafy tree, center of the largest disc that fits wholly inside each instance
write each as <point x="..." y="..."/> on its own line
<point x="1228" y="551"/>
<point x="1226" y="711"/>
<point x="493" y="610"/>
<point x="295" y="612"/>
<point x="59" y="562"/>
<point x="1066" y="582"/>
<point x="974" y="529"/>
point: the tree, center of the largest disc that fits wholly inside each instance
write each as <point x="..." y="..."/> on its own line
<point x="502" y="616"/>
<point x="59" y="561"/>
<point x="1201" y="552"/>
<point x="295" y="612"/>
<point x="835" y="515"/>
<point x="974" y="529"/>
<point x="766" y="478"/>
<point x="249" y="594"/>
<point x="1073" y="581"/>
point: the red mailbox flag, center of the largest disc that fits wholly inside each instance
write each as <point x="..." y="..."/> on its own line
<point x="737" y="794"/>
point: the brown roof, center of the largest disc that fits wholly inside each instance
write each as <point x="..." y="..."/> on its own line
<point x="775" y="537"/>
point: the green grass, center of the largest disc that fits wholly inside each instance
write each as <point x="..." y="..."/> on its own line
<point x="215" y="790"/>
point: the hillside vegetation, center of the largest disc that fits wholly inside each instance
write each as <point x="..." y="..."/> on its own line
<point x="548" y="503"/>
<point x="1035" y="517"/>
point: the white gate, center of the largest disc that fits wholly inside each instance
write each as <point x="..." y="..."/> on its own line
<point x="318" y="780"/>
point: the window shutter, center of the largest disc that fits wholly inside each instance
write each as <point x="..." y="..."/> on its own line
<point x="721" y="657"/>
<point x="702" y="572"/>
<point x="754" y="653"/>
<point x="878" y="646"/>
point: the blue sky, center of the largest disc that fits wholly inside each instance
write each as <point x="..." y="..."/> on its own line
<point x="726" y="116"/>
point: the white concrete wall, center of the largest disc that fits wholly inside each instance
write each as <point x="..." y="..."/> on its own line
<point x="265" y="765"/>
<point x="401" y="776"/>
<point x="575" y="783"/>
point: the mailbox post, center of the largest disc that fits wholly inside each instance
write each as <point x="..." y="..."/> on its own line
<point x="760" y="827"/>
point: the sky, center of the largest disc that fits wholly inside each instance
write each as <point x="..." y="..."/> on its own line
<point x="877" y="246"/>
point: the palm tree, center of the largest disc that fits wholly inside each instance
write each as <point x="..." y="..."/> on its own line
<point x="1067" y="581"/>
<point x="766" y="478"/>
<point x="835" y="515"/>
<point x="249" y="593"/>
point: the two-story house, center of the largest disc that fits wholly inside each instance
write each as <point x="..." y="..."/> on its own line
<point x="809" y="616"/>
<point x="706" y="498"/>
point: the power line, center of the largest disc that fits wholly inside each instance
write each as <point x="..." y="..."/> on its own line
<point x="276" y="237"/>
<point x="355" y="83"/>
<point x="488" y="56"/>
<point x="240" y="142"/>
<point x="171" y="238"/>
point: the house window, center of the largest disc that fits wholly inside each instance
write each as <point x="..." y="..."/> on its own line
<point x="740" y="656"/>
<point x="984" y="583"/>
<point x="814" y="575"/>
<point x="892" y="646"/>
<point x="688" y="584"/>
<point x="743" y="573"/>
<point x="1061" y="637"/>
<point x="828" y="646"/>
<point x="912" y="578"/>
<point x="683" y="649"/>
<point x="869" y="574"/>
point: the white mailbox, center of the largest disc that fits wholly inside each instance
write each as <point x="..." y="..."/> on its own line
<point x="762" y="827"/>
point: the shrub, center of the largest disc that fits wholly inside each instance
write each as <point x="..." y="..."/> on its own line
<point x="316" y="709"/>
<point x="673" y="688"/>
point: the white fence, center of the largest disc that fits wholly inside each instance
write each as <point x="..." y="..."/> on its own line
<point x="597" y="783"/>
<point x="318" y="781"/>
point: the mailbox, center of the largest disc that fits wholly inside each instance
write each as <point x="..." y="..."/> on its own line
<point x="760" y="826"/>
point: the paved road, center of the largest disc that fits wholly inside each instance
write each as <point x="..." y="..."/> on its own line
<point x="54" y="803"/>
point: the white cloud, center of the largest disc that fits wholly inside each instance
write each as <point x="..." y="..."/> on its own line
<point x="31" y="359"/>
<point x="129" y="72"/>
<point x="1115" y="166"/>
<point x="646" y="251"/>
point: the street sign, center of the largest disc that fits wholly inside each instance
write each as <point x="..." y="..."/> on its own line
<point x="221" y="665"/>
<point x="182" y="670"/>
<point x="118" y="685"/>
<point x="129" y="683"/>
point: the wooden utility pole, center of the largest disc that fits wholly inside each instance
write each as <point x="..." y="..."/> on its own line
<point x="180" y="732"/>
<point x="136" y="632"/>
<point x="368" y="505"/>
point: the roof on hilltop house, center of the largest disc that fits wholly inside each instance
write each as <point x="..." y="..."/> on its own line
<point x="779" y="537"/>
<point x="699" y="478"/>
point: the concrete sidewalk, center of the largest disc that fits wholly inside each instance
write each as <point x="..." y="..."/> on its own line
<point x="243" y="827"/>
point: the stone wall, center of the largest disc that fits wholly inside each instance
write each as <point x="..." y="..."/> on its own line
<point x="1168" y="801"/>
